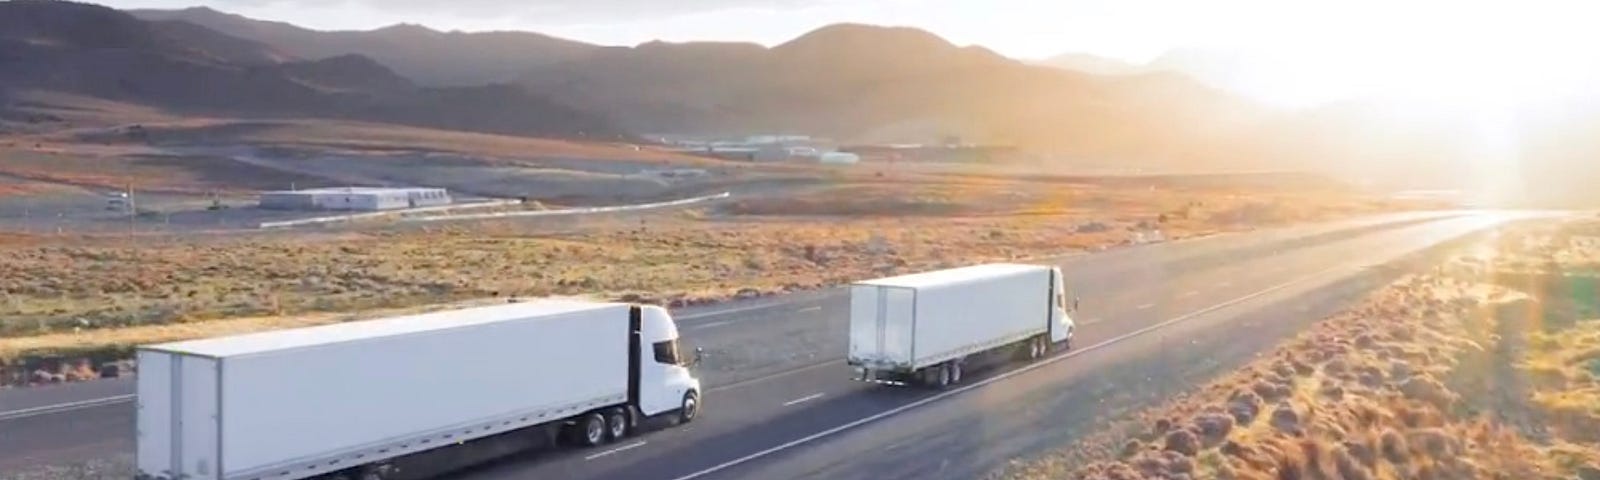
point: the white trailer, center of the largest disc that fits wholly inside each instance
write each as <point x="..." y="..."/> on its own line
<point x="398" y="397"/>
<point x="926" y="327"/>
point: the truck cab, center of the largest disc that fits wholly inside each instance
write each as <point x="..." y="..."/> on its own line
<point x="666" y="383"/>
<point x="1061" y="326"/>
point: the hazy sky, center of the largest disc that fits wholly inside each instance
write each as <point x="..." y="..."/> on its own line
<point x="1284" y="51"/>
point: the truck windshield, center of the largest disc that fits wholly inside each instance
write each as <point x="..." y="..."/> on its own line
<point x="667" y="352"/>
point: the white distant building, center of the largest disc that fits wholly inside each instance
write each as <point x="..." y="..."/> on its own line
<point x="771" y="153"/>
<point x="839" y="158"/>
<point x="354" y="198"/>
<point x="776" y="139"/>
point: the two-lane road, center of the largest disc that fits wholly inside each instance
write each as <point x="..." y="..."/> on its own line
<point x="782" y="351"/>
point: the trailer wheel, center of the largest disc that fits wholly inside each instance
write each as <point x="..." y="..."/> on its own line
<point x="941" y="375"/>
<point x="617" y="423"/>
<point x="1035" y="348"/>
<point x="375" y="472"/>
<point x="955" y="371"/>
<point x="690" y="407"/>
<point x="590" y="430"/>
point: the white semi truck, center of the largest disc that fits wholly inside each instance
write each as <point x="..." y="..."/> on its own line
<point x="926" y="328"/>
<point x="410" y="396"/>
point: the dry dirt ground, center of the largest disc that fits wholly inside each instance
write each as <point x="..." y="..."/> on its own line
<point x="93" y="297"/>
<point x="55" y="173"/>
<point x="1486" y="367"/>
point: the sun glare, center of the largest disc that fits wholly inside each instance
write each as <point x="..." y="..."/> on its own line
<point x="1455" y="55"/>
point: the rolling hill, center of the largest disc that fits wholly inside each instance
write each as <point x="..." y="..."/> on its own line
<point x="426" y="56"/>
<point x="100" y="52"/>
<point x="860" y="83"/>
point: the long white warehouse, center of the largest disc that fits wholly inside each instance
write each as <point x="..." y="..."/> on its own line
<point x="354" y="198"/>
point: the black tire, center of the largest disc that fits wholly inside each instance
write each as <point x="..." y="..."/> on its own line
<point x="617" y="425"/>
<point x="955" y="372"/>
<point x="690" y="408"/>
<point x="590" y="430"/>
<point x="1035" y="349"/>
<point x="1067" y="345"/>
<point x="375" y="472"/>
<point x="941" y="375"/>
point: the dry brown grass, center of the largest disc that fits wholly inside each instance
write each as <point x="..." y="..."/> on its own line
<point x="93" y="297"/>
<point x="1460" y="373"/>
<point x="18" y="187"/>
<point x="352" y="135"/>
<point x="113" y="170"/>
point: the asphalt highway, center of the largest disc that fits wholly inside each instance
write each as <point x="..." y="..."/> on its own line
<point x="774" y="367"/>
<point x="816" y="422"/>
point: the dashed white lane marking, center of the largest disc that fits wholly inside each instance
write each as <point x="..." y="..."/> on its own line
<point x="810" y="309"/>
<point x="630" y="446"/>
<point x="1190" y="293"/>
<point x="1146" y="306"/>
<point x="64" y="407"/>
<point x="708" y="325"/>
<point x="1028" y="368"/>
<point x="804" y="399"/>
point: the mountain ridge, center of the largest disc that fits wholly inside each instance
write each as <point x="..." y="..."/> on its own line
<point x="443" y="59"/>
<point x="97" y="51"/>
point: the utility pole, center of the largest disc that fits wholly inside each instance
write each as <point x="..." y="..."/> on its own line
<point x="133" y="212"/>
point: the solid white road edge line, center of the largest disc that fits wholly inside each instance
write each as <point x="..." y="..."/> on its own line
<point x="615" y="450"/>
<point x="1027" y="368"/>
<point x="64" y="407"/>
<point x="804" y="399"/>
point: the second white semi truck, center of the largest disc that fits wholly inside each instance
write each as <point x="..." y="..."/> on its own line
<point x="925" y="328"/>
<point x="407" y="397"/>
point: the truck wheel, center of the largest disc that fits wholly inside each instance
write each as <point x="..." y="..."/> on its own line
<point x="690" y="407"/>
<point x="617" y="423"/>
<point x="591" y="430"/>
<point x="941" y="375"/>
<point x="377" y="471"/>
<point x="955" y="372"/>
<point x="1035" y="348"/>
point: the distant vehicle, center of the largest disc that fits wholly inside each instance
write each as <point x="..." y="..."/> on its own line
<point x="423" y="394"/>
<point x="926" y="328"/>
<point x="117" y="201"/>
